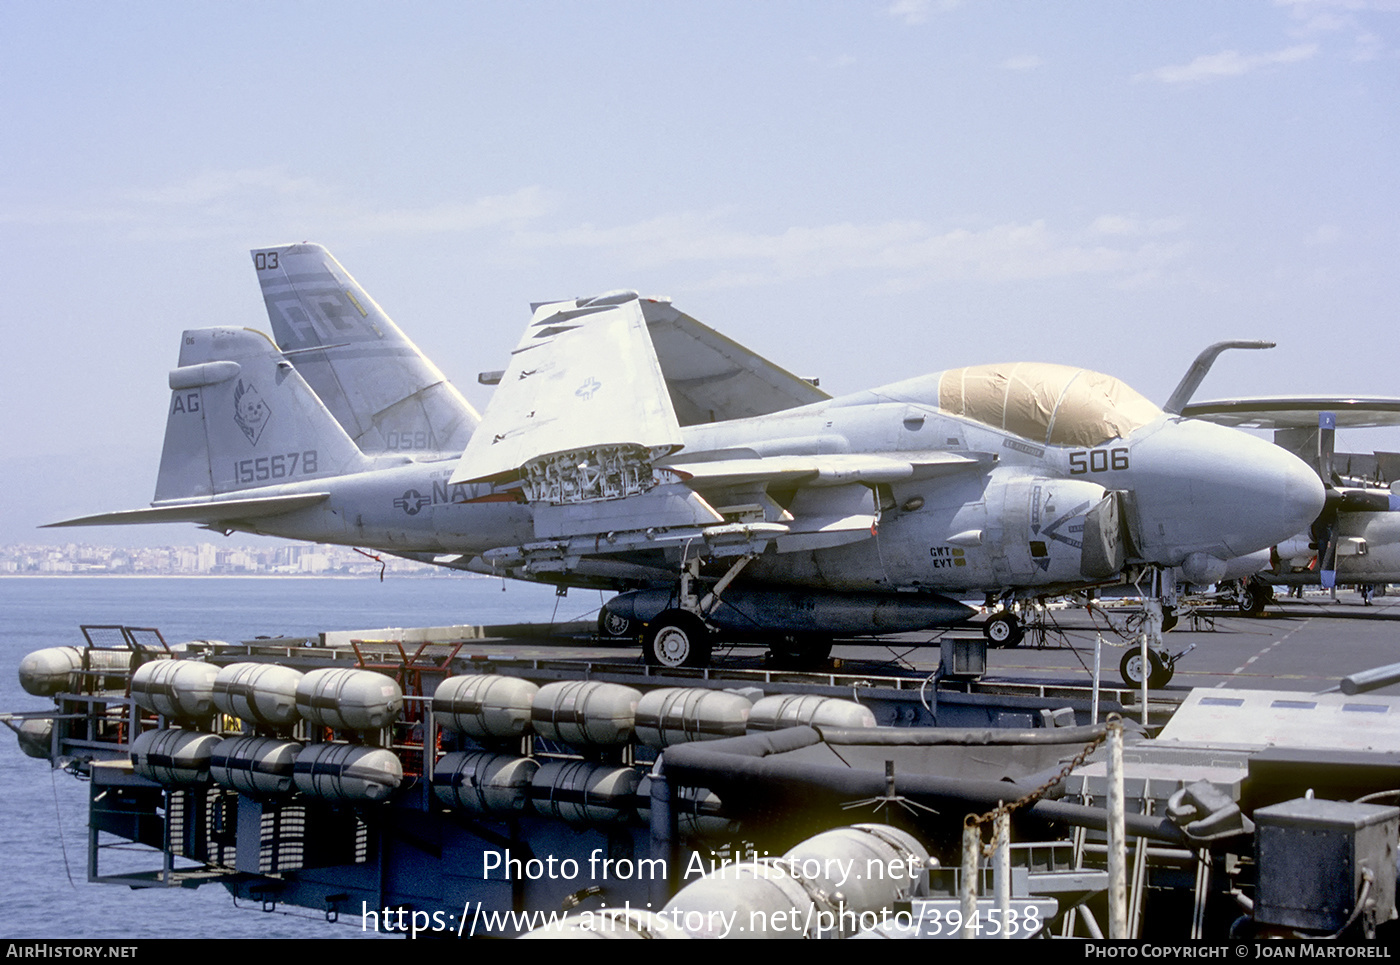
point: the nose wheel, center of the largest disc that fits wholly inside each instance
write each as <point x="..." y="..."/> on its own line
<point x="1003" y="629"/>
<point x="1159" y="670"/>
<point x="1254" y="596"/>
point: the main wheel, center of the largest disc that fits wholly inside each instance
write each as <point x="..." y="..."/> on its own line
<point x="615" y="626"/>
<point x="1003" y="630"/>
<point x="1158" y="672"/>
<point x="677" y="638"/>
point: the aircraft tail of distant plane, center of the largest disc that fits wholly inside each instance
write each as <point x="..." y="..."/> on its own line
<point x="376" y="383"/>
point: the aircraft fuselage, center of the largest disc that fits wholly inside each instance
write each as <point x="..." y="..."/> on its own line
<point x="1016" y="518"/>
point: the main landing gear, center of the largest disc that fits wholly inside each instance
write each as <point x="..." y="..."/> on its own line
<point x="680" y="636"/>
<point x="692" y="625"/>
<point x="677" y="638"/>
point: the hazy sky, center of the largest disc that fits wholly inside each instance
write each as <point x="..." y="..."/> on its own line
<point x="860" y="191"/>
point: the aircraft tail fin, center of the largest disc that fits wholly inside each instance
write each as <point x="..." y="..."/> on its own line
<point x="376" y="383"/>
<point x="241" y="417"/>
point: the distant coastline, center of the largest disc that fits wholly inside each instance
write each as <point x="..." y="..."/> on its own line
<point x="207" y="559"/>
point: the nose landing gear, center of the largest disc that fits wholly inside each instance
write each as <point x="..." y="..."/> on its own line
<point x="1160" y="667"/>
<point x="1003" y="629"/>
<point x="1253" y="596"/>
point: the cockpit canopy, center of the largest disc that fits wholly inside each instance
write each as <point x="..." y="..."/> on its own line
<point x="1057" y="405"/>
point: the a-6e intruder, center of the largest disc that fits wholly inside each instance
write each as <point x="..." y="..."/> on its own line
<point x="628" y="447"/>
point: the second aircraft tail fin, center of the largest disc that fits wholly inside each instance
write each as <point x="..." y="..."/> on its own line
<point x="384" y="392"/>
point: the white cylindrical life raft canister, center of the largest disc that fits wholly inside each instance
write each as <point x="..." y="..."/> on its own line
<point x="871" y="865"/>
<point x="484" y="783"/>
<point x="585" y="712"/>
<point x="347" y="773"/>
<point x="795" y="710"/>
<point x="174" y="757"/>
<point x="178" y="689"/>
<point x="36" y="737"/>
<point x="767" y="898"/>
<point x="54" y="670"/>
<point x="677" y="715"/>
<point x="485" y="706"/>
<point x="583" y="793"/>
<point x="256" y="766"/>
<point x="349" y="699"/>
<point x="260" y="693"/>
<point x="698" y="810"/>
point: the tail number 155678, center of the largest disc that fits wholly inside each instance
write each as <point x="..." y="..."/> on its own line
<point x="265" y="468"/>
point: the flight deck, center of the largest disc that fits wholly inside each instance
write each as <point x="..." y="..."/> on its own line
<point x="1304" y="645"/>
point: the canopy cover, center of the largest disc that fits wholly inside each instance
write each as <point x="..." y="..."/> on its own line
<point x="1056" y="405"/>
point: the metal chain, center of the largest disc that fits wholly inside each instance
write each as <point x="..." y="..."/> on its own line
<point x="1130" y="634"/>
<point x="977" y="820"/>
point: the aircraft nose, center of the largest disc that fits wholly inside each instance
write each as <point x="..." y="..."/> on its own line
<point x="1206" y="488"/>
<point x="1286" y="494"/>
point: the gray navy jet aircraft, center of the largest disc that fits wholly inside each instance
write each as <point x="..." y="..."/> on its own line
<point x="628" y="447"/>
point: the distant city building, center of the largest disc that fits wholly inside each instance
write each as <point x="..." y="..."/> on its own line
<point x="204" y="559"/>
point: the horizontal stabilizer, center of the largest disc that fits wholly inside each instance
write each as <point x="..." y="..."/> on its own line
<point x="207" y="512"/>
